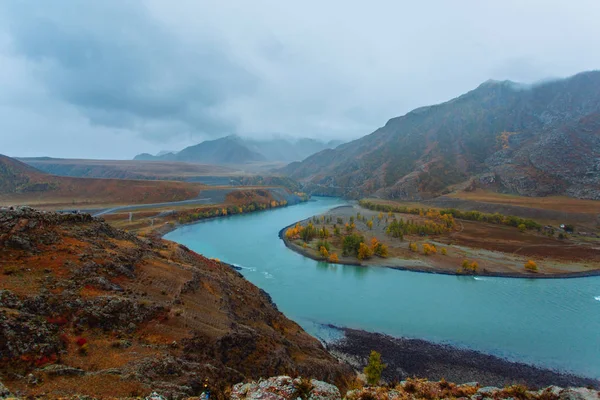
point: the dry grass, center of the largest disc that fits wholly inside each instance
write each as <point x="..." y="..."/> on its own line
<point x="555" y="203"/>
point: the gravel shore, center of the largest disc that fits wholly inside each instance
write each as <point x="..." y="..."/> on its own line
<point x="415" y="357"/>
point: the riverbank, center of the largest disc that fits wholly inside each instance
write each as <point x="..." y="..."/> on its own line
<point x="158" y="221"/>
<point x="571" y="259"/>
<point x="419" y="358"/>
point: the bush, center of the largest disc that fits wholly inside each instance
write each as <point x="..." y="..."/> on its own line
<point x="323" y="243"/>
<point x="364" y="251"/>
<point x="303" y="388"/>
<point x="531" y="266"/>
<point x="351" y="244"/>
<point x="444" y="251"/>
<point x="522" y="227"/>
<point x="374" y="368"/>
<point x="413" y="247"/>
<point x="333" y="258"/>
<point x="429" y="249"/>
<point x="469" y="267"/>
<point x="323" y="251"/>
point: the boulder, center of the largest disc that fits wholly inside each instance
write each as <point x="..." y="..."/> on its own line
<point x="579" y="394"/>
<point x="4" y="392"/>
<point x="285" y="388"/>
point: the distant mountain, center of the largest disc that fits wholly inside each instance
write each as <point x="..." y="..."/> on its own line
<point x="18" y="177"/>
<point x="236" y="150"/>
<point x="532" y="140"/>
<point x="226" y="150"/>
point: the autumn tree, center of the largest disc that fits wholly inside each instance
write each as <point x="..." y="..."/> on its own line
<point x="370" y="225"/>
<point x="374" y="368"/>
<point x="429" y="249"/>
<point x="413" y="247"/>
<point x="351" y="244"/>
<point x="323" y="251"/>
<point x="364" y="251"/>
<point x="469" y="267"/>
<point x="333" y="258"/>
<point x="531" y="265"/>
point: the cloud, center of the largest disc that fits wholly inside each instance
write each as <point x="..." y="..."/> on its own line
<point x="156" y="74"/>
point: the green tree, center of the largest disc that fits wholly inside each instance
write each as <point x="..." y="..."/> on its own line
<point x="374" y="368"/>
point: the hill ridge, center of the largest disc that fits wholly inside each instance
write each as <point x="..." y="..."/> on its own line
<point x="491" y="129"/>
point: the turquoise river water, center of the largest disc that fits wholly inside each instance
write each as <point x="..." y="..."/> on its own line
<point x="552" y="323"/>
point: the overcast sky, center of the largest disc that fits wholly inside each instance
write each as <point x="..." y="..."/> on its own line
<point x="110" y="79"/>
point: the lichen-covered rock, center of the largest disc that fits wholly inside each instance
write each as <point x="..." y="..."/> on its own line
<point x="4" y="392"/>
<point x="285" y="388"/>
<point x="579" y="394"/>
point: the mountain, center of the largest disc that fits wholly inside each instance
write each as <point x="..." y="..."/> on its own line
<point x="225" y="150"/>
<point x="236" y="150"/>
<point x="532" y="140"/>
<point x="23" y="184"/>
<point x="91" y="310"/>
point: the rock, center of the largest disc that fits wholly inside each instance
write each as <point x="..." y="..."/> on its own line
<point x="323" y="390"/>
<point x="284" y="388"/>
<point x="4" y="392"/>
<point x="487" y="391"/>
<point x="155" y="396"/>
<point x="9" y="300"/>
<point x="63" y="370"/>
<point x="579" y="394"/>
<point x="32" y="380"/>
<point x="552" y="390"/>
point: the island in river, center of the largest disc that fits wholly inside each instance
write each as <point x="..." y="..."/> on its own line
<point x="434" y="240"/>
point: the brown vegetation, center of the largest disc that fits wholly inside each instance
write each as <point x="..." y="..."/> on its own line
<point x="116" y="315"/>
<point x="21" y="184"/>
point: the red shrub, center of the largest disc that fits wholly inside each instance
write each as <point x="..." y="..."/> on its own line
<point x="81" y="341"/>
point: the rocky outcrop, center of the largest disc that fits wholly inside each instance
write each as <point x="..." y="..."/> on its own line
<point x="419" y="389"/>
<point x="284" y="388"/>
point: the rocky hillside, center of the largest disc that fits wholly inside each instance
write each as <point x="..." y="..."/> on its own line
<point x="89" y="309"/>
<point x="532" y="140"/>
<point x="237" y="150"/>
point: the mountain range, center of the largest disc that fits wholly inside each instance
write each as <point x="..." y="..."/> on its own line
<point x="531" y="140"/>
<point x="237" y="150"/>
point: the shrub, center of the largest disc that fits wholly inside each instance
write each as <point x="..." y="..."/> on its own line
<point x="429" y="249"/>
<point x="569" y="228"/>
<point x="469" y="267"/>
<point x="303" y="388"/>
<point x="323" y="243"/>
<point x="364" y="251"/>
<point x="413" y="247"/>
<point x="444" y="251"/>
<point x="323" y="251"/>
<point x="522" y="227"/>
<point x="351" y="244"/>
<point x="334" y="258"/>
<point x="530" y="265"/>
<point x="374" y="368"/>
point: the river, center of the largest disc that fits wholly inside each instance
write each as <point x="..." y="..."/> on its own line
<point x="552" y="323"/>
